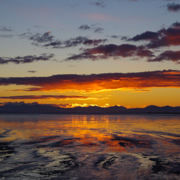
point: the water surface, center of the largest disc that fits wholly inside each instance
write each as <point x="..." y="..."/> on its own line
<point x="90" y="147"/>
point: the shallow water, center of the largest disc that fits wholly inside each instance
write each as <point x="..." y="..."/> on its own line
<point x="106" y="147"/>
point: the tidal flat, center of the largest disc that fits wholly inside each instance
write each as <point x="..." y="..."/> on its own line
<point x="86" y="147"/>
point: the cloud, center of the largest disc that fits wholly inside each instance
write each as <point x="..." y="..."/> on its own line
<point x="38" y="38"/>
<point x="173" y="7"/>
<point x="5" y="29"/>
<point x="26" y="59"/>
<point x="47" y="40"/>
<point x="34" y="97"/>
<point x="164" y="37"/>
<point x="86" y="27"/>
<point x="112" y="50"/>
<point x="26" y="35"/>
<point x="73" y="42"/>
<point x="115" y="37"/>
<point x="168" y="56"/>
<point x="148" y="35"/>
<point x="42" y="38"/>
<point x="167" y="37"/>
<point x="6" y="36"/>
<point x="98" y="30"/>
<point x="97" y="82"/>
<point x="99" y="3"/>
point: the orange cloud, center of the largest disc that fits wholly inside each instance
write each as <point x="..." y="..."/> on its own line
<point x="33" y="97"/>
<point x="98" y="82"/>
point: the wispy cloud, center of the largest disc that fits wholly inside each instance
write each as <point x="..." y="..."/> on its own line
<point x="42" y="38"/>
<point x="73" y="42"/>
<point x="98" y="82"/>
<point x="35" y="97"/>
<point x="38" y="38"/>
<point x="84" y="27"/>
<point x="47" y="40"/>
<point x="173" y="7"/>
<point x="99" y="3"/>
<point x="92" y="27"/>
<point x="6" y="35"/>
<point x="26" y="59"/>
<point x="5" y="29"/>
<point x="98" y="30"/>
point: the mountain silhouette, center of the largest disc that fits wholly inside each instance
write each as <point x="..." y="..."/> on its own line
<point x="21" y="107"/>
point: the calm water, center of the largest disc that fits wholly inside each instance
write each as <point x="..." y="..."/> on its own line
<point x="115" y="147"/>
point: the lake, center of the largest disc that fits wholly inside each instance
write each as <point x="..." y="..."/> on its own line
<point x="90" y="147"/>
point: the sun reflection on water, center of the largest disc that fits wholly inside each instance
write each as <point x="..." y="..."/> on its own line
<point x="99" y="142"/>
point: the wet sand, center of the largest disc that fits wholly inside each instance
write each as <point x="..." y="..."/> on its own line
<point x="89" y="147"/>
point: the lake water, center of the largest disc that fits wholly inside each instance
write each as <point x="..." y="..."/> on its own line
<point x="90" y="147"/>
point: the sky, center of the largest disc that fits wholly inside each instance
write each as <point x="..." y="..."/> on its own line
<point x="90" y="52"/>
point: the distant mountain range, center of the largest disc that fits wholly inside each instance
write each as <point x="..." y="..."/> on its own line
<point x="32" y="108"/>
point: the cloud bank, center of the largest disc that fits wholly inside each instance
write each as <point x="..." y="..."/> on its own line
<point x="98" y="82"/>
<point x="26" y="59"/>
<point x="112" y="50"/>
<point x="34" y="97"/>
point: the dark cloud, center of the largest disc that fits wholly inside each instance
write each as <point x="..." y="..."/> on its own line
<point x="112" y="50"/>
<point x="80" y="40"/>
<point x="38" y="39"/>
<point x="42" y="38"/>
<point x="168" y="56"/>
<point x="25" y="59"/>
<point x="164" y="37"/>
<point x="173" y="7"/>
<point x="98" y="30"/>
<point x="99" y="3"/>
<point x="47" y="40"/>
<point x="33" y="97"/>
<point x="167" y="37"/>
<point x="148" y="35"/>
<point x="84" y="27"/>
<point x="83" y="56"/>
<point x="114" y="36"/>
<point x="97" y="82"/>
<point x="5" y="29"/>
<point x="92" y="27"/>
<point x="176" y="25"/>
<point x="26" y="35"/>
<point x="94" y="42"/>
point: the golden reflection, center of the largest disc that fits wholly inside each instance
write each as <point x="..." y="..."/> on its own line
<point x="111" y="133"/>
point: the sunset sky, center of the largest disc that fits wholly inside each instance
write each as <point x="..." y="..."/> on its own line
<point x="90" y="52"/>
